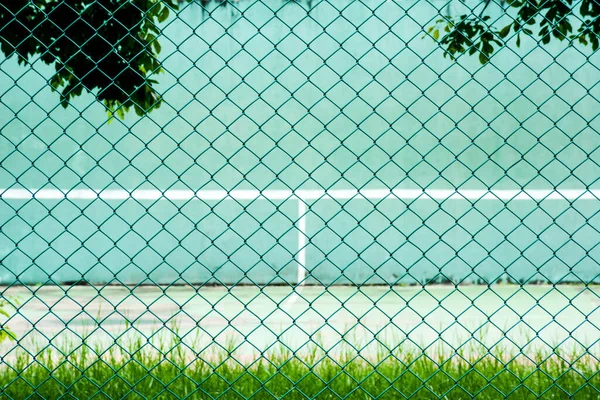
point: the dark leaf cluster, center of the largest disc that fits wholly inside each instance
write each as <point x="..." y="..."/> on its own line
<point x="106" y="45"/>
<point x="544" y="20"/>
<point x="110" y="47"/>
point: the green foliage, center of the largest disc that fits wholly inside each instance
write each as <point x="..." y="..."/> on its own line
<point x="168" y="367"/>
<point x="477" y="33"/>
<point x="108" y="45"/>
<point x="112" y="45"/>
<point x="6" y="308"/>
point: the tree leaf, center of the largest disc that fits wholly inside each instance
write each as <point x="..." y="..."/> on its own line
<point x="546" y="39"/>
<point x="164" y="14"/>
<point x="487" y="49"/>
<point x="505" y="31"/>
<point x="157" y="47"/>
<point x="483" y="58"/>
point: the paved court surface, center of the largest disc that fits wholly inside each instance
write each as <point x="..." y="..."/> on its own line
<point x="257" y="318"/>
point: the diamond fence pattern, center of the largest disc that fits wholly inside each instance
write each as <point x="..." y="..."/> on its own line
<point x="318" y="166"/>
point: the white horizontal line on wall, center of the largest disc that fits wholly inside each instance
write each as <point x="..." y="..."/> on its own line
<point x="341" y="194"/>
<point x="301" y="196"/>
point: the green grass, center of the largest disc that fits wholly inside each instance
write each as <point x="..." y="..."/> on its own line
<point x="166" y="367"/>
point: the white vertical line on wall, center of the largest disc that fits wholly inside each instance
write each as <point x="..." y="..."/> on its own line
<point x="301" y="257"/>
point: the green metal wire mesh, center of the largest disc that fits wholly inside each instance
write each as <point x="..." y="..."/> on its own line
<point x="315" y="170"/>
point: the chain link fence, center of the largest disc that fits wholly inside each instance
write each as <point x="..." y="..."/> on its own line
<point x="322" y="199"/>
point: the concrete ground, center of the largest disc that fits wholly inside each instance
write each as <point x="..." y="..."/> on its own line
<point x="538" y="315"/>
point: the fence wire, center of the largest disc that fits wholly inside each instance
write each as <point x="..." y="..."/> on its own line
<point x="299" y="199"/>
